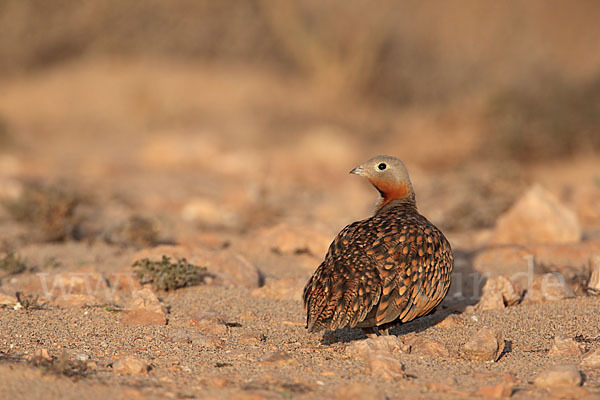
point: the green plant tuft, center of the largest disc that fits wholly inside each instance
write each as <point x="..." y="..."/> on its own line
<point x="167" y="275"/>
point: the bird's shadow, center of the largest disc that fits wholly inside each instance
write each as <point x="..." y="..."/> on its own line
<point x="348" y="335"/>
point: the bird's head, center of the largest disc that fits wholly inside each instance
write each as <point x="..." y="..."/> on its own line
<point x="390" y="177"/>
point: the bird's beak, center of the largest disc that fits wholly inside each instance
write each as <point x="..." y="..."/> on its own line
<point x="358" y="171"/>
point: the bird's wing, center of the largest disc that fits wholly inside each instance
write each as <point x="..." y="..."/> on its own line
<point x="415" y="271"/>
<point x="346" y="286"/>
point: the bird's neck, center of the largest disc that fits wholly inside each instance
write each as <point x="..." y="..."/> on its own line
<point x="386" y="204"/>
<point x="401" y="195"/>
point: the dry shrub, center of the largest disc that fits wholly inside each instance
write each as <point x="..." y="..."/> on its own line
<point x="545" y="119"/>
<point x="136" y="231"/>
<point x="12" y="264"/>
<point x="49" y="209"/>
<point x="29" y="301"/>
<point x="61" y="365"/>
<point x="141" y="231"/>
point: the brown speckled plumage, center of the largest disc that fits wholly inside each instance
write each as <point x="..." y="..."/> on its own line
<point x="393" y="267"/>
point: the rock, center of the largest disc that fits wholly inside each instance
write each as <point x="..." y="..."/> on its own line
<point x="499" y="292"/>
<point x="499" y="391"/>
<point x="427" y="347"/>
<point x="81" y="356"/>
<point x="130" y="365"/>
<point x="293" y="239"/>
<point x="285" y="289"/>
<point x="384" y="366"/>
<point x="85" y="281"/>
<point x="229" y="268"/>
<point x="446" y="388"/>
<point x="572" y="260"/>
<point x="144" y="308"/>
<point x="124" y="280"/>
<point x="574" y="393"/>
<point x="452" y="321"/>
<point x="591" y="359"/>
<point x="573" y="256"/>
<point x="205" y="341"/>
<point x="594" y="281"/>
<point x="8" y="299"/>
<point x="210" y="323"/>
<point x="135" y="230"/>
<point x="77" y="300"/>
<point x="378" y="353"/>
<point x="485" y="345"/>
<point x="277" y="357"/>
<point x="211" y="240"/>
<point x="233" y="269"/>
<point x="252" y="338"/>
<point x="587" y="199"/>
<point x="359" y="391"/>
<point x="40" y="354"/>
<point x="514" y="262"/>
<point x="209" y="212"/>
<point x="560" y="376"/>
<point x="549" y="287"/>
<point x="181" y="335"/>
<point x="385" y="344"/>
<point x="537" y="217"/>
<point x="490" y="301"/>
<point x="145" y="299"/>
<point x="564" y="346"/>
<point x="142" y="317"/>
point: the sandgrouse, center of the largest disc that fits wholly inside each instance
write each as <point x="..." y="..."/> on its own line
<point x="388" y="269"/>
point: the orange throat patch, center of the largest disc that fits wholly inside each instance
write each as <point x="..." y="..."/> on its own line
<point x="390" y="192"/>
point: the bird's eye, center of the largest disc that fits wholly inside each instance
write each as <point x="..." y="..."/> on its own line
<point x="382" y="166"/>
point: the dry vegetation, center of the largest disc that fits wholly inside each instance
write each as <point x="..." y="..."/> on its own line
<point x="11" y="263"/>
<point x="167" y="275"/>
<point x="50" y="208"/>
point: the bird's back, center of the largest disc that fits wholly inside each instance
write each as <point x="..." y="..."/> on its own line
<point x="394" y="266"/>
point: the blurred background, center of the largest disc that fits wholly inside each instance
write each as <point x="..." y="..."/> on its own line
<point x="223" y="131"/>
<point x="236" y="115"/>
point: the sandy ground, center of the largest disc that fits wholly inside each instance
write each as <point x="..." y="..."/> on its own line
<point x="271" y="186"/>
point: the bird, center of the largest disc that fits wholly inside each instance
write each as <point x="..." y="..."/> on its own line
<point x="385" y="270"/>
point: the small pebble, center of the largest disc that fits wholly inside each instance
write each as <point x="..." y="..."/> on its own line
<point x="386" y="344"/>
<point x="564" y="346"/>
<point x="143" y="317"/>
<point x="427" y="347"/>
<point x="384" y="366"/>
<point x="130" y="365"/>
<point x="485" y="345"/>
<point x="592" y="359"/>
<point x="210" y="323"/>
